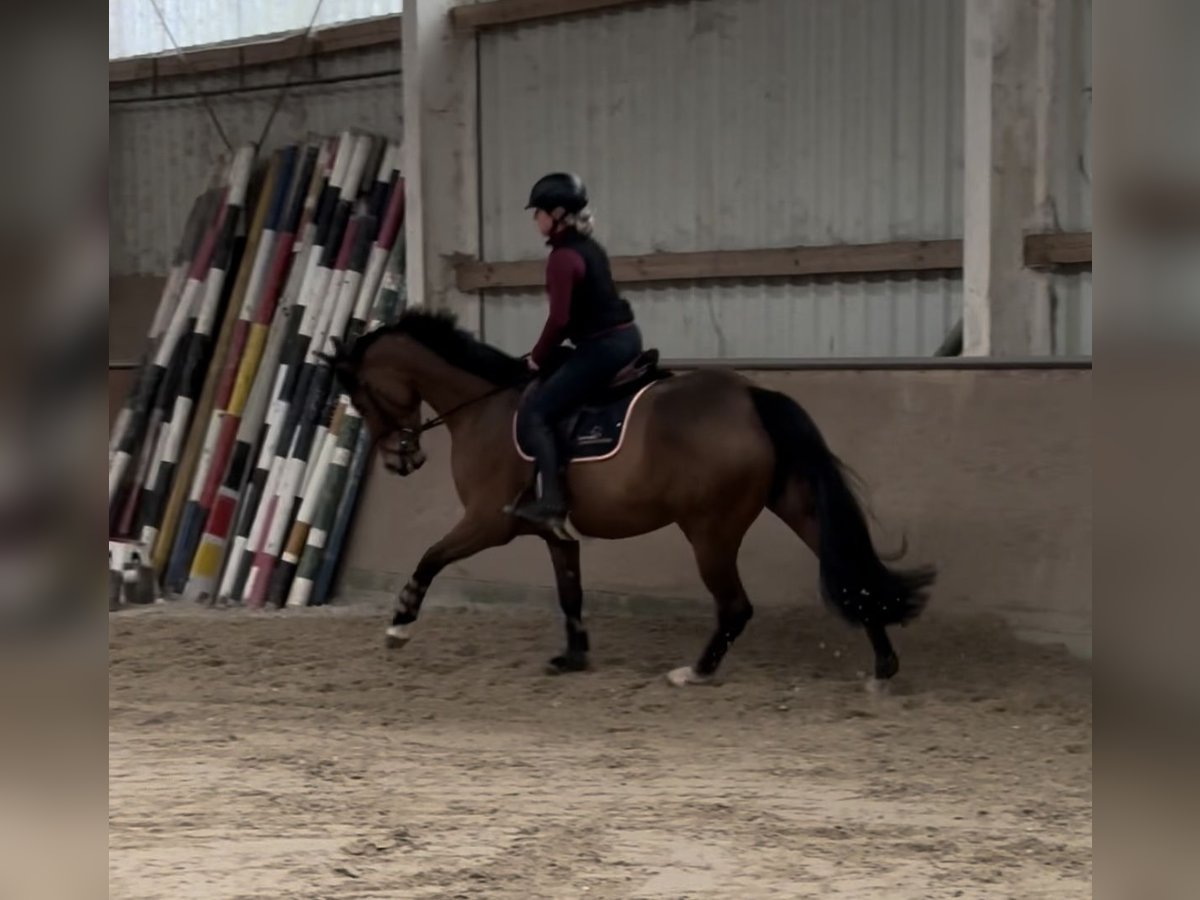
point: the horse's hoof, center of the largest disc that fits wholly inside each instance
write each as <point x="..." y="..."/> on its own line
<point x="561" y="665"/>
<point x="398" y="636"/>
<point x="687" y="675"/>
<point x="878" y="686"/>
<point x="887" y="667"/>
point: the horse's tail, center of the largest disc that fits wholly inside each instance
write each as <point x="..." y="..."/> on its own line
<point x="854" y="580"/>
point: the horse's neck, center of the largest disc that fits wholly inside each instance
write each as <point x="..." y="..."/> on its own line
<point x="447" y="389"/>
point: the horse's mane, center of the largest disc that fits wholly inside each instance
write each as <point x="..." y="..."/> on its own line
<point x="439" y="332"/>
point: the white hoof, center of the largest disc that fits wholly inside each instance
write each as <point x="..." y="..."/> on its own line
<point x="398" y="635"/>
<point x="687" y="675"/>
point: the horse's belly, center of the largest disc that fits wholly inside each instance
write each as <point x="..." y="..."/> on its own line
<point x="600" y="519"/>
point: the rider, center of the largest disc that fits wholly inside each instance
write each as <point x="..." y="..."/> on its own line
<point x="584" y="308"/>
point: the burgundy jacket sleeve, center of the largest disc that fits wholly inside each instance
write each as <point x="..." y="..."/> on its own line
<point x="564" y="269"/>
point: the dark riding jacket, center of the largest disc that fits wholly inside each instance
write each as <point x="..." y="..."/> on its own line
<point x="584" y="302"/>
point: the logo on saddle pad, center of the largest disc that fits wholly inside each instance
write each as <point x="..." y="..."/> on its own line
<point x="594" y="435"/>
<point x="595" y="432"/>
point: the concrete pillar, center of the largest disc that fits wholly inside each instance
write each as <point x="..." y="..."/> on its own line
<point x="440" y="165"/>
<point x="1009" y="96"/>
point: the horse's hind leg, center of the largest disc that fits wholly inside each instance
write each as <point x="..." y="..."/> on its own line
<point x="795" y="508"/>
<point x="472" y="534"/>
<point x="565" y="556"/>
<point x="887" y="664"/>
<point x="716" y="551"/>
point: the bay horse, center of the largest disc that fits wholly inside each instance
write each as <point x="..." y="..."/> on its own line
<point x="706" y="450"/>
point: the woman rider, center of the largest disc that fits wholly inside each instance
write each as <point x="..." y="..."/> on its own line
<point x="584" y="308"/>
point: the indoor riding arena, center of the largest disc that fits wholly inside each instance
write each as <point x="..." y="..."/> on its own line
<point x="879" y="210"/>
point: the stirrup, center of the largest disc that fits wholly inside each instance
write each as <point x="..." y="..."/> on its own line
<point x="536" y="514"/>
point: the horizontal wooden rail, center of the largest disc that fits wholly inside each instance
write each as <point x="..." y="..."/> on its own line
<point x="1068" y="248"/>
<point x="894" y="257"/>
<point x="834" y="259"/>
<point x="376" y="32"/>
<point x="475" y="16"/>
<point x="888" y="364"/>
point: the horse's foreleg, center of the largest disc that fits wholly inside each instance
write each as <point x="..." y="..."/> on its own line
<point x="565" y="556"/>
<point x="471" y="535"/>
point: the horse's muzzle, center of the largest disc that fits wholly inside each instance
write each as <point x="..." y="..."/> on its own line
<point x="404" y="463"/>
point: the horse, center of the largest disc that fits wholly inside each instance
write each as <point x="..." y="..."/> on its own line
<point x="706" y="450"/>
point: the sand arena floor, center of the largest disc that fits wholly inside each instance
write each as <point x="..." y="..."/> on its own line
<point x="288" y="755"/>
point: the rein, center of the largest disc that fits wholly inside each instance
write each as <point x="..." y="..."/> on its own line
<point x="436" y="421"/>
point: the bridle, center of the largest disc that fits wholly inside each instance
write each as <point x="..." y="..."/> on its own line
<point x="408" y="434"/>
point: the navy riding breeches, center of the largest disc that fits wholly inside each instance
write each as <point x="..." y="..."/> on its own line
<point x="587" y="371"/>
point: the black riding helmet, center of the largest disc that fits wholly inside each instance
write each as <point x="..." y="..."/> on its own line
<point x="558" y="190"/>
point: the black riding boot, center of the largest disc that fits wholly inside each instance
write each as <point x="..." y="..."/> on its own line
<point x="549" y="508"/>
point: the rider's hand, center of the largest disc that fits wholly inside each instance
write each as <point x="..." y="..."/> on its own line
<point x="533" y="367"/>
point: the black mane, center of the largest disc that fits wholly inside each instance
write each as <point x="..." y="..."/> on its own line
<point x="439" y="333"/>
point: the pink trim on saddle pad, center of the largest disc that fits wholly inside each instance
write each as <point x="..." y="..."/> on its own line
<point x="586" y="459"/>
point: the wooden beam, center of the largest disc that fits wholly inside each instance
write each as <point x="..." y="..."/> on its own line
<point x="474" y="16"/>
<point x="201" y="62"/>
<point x="1062" y="249"/>
<point x="379" y="31"/>
<point x="835" y="259"/>
<point x="895" y="257"/>
<point x="137" y="68"/>
<point x="263" y="53"/>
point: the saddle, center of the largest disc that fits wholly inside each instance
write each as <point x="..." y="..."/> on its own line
<point x="595" y="431"/>
<point x="643" y="370"/>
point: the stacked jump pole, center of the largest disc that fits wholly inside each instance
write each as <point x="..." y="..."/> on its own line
<point x="137" y="439"/>
<point x="189" y="242"/>
<point x="180" y="508"/>
<point x="317" y="258"/>
<point x="235" y="462"/>
<point x="216" y="495"/>
<point x="321" y="559"/>
<point x="364" y="295"/>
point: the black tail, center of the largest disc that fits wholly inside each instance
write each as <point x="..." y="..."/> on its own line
<point x="854" y="580"/>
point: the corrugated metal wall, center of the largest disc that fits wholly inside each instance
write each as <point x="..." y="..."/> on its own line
<point x="714" y="125"/>
<point x="724" y="125"/>
<point x="161" y="151"/>
<point x="710" y="124"/>
<point x="1071" y="148"/>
